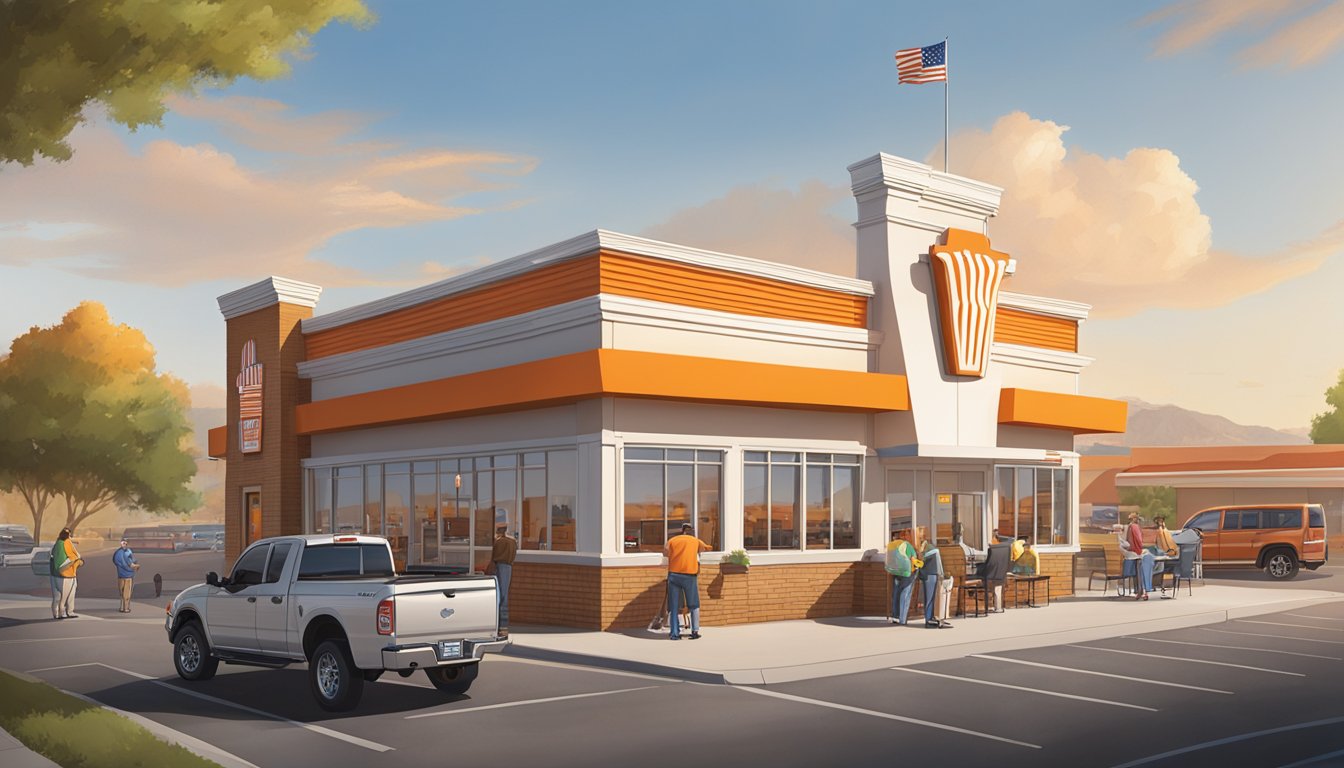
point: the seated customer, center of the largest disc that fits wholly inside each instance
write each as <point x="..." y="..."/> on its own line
<point x="1025" y="560"/>
<point x="1165" y="544"/>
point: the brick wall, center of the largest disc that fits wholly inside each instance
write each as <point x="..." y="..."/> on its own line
<point x="276" y="469"/>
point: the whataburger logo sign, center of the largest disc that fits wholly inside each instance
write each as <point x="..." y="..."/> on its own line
<point x="249" y="400"/>
<point x="967" y="274"/>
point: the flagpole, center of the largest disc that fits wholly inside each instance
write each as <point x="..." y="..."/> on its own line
<point x="946" y="76"/>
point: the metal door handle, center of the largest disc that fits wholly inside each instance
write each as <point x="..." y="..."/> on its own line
<point x="251" y="599"/>
<point x="449" y="593"/>
<point x="277" y="600"/>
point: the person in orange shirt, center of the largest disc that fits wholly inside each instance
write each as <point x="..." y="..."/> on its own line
<point x="683" y="569"/>
<point x="65" y="561"/>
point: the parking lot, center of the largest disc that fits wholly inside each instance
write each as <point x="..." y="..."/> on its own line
<point x="1257" y="691"/>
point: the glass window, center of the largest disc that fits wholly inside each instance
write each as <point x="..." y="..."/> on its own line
<point x="784" y="479"/>
<point x="1250" y="519"/>
<point x="1063" y="513"/>
<point x="424" y="467"/>
<point x="662" y="494"/>
<point x="425" y="520"/>
<point x="333" y="560"/>
<point x="1281" y="518"/>
<point x="1006" y="504"/>
<point x="276" y="565"/>
<point x="845" y="507"/>
<point x="373" y="498"/>
<point x="534" y="459"/>
<point x="506" y="501"/>
<point x="1205" y="521"/>
<point x="1025" y="504"/>
<point x="533" y="529"/>
<point x="818" y="531"/>
<point x="1035" y="502"/>
<point x="377" y="561"/>
<point x="1232" y="520"/>
<point x="398" y="468"/>
<point x="321" y="520"/>
<point x="755" y="507"/>
<point x="562" y="478"/>
<point x="250" y="566"/>
<point x="349" y="503"/>
<point x="397" y="506"/>
<point x="900" y="500"/>
<point x="506" y="460"/>
<point x="1316" y="516"/>
<point x="832" y="492"/>
<point x="1045" y="509"/>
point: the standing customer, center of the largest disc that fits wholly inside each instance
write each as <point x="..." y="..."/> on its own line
<point x="1134" y="543"/>
<point x="901" y="564"/>
<point x="65" y="561"/>
<point x="937" y="588"/>
<point x="683" y="569"/>
<point x="501" y="565"/>
<point x="124" y="559"/>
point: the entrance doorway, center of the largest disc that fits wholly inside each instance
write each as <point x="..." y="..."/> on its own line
<point x="959" y="518"/>
<point x="251" y="515"/>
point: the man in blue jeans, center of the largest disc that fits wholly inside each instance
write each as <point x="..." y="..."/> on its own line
<point x="501" y="565"/>
<point x="683" y="571"/>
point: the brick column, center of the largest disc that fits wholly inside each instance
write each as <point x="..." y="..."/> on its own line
<point x="269" y="314"/>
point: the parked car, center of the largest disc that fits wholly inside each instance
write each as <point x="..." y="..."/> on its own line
<point x="1280" y="538"/>
<point x="15" y="559"/>
<point x="15" y="540"/>
<point x="336" y="603"/>
<point x="41" y="559"/>
<point x="211" y="540"/>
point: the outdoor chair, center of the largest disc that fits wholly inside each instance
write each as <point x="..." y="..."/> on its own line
<point x="1127" y="576"/>
<point x="989" y="579"/>
<point x="1184" y="570"/>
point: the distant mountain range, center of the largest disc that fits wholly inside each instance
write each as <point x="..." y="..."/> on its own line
<point x="1150" y="424"/>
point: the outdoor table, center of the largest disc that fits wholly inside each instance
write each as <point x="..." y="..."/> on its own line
<point x="1030" y="580"/>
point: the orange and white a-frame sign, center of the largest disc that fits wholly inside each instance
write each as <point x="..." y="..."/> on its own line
<point x="967" y="274"/>
<point x="249" y="400"/>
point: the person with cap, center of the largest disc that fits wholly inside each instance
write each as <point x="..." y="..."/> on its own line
<point x="501" y="566"/>
<point x="683" y="570"/>
<point x="65" y="561"/>
<point x="126" y="565"/>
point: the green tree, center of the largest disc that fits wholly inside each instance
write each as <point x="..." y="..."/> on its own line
<point x="58" y="55"/>
<point x="1328" y="427"/>
<point x="84" y="418"/>
<point x="1151" y="500"/>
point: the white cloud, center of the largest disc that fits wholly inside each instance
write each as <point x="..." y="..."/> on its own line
<point x="1123" y="234"/>
<point x="176" y="214"/>
<point x="1293" y="33"/>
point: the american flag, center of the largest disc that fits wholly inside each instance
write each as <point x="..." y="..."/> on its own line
<point x="922" y="65"/>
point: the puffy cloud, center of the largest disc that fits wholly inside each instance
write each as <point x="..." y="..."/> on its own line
<point x="174" y="214"/>
<point x="763" y="222"/>
<point x="207" y="396"/>
<point x="1124" y="234"/>
<point x="1294" y="33"/>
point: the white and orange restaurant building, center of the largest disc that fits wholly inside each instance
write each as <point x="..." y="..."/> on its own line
<point x="595" y="393"/>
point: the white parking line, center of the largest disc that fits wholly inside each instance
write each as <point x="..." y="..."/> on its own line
<point x="1130" y="678"/>
<point x="1230" y="740"/>
<point x="1191" y="661"/>
<point x="1309" y="616"/>
<point x="1276" y="637"/>
<point x="883" y="715"/>
<point x="56" y="639"/>
<point x="1281" y="624"/>
<point x="373" y="745"/>
<point x="525" y="703"/>
<point x="1025" y="690"/>
<point x="1235" y="648"/>
<point x="1316" y="759"/>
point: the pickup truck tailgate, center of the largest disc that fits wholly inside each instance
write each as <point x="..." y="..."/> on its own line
<point x="465" y="609"/>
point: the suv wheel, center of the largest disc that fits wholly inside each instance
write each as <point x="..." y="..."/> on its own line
<point x="1281" y="564"/>
<point x="191" y="654"/>
<point x="455" y="680"/>
<point x="336" y="683"/>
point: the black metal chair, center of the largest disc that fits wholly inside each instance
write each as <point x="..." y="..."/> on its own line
<point x="991" y="575"/>
<point x="1184" y="570"/>
<point x="1127" y="578"/>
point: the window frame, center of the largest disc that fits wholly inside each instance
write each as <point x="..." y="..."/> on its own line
<point x="695" y="460"/>
<point x="1069" y="513"/>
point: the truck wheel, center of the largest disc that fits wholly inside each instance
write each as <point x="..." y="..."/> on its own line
<point x="336" y="683"/>
<point x="191" y="654"/>
<point x="455" y="680"/>
<point x="1281" y="564"/>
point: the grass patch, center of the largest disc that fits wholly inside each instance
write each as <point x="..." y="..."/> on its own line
<point x="76" y="734"/>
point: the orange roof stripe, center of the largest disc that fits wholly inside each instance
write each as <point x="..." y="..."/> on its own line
<point x="1058" y="410"/>
<point x="610" y="373"/>
<point x="1015" y="326"/>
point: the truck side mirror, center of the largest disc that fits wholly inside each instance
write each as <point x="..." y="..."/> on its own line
<point x="212" y="579"/>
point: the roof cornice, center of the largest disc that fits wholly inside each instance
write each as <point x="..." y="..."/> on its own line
<point x="262" y="294"/>
<point x="921" y="183"/>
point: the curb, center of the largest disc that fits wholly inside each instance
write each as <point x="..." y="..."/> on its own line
<point x="788" y="674"/>
<point x="192" y="744"/>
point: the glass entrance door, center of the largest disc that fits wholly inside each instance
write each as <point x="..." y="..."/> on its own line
<point x="959" y="518"/>
<point x="457" y="519"/>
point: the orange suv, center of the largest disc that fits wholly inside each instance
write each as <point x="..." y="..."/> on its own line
<point x="1280" y="538"/>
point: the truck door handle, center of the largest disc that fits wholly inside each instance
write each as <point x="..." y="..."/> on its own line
<point x="251" y="599"/>
<point x="277" y="600"/>
<point x="449" y="593"/>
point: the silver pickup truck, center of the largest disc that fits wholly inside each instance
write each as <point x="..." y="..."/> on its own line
<point x="335" y="602"/>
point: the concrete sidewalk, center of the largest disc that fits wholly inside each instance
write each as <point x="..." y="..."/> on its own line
<point x="779" y="652"/>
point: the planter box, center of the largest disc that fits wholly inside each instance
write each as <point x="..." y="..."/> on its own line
<point x="726" y="568"/>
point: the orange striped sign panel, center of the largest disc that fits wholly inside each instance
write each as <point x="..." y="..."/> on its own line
<point x="607" y="272"/>
<point x="249" y="400"/>
<point x="1015" y="326"/>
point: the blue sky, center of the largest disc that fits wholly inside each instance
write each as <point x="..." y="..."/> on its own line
<point x="565" y="117"/>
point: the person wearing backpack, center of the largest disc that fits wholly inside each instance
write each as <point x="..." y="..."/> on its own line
<point x="937" y="587"/>
<point x="65" y="560"/>
<point x="902" y="563"/>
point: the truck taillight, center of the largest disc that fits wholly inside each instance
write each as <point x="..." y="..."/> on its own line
<point x="387" y="617"/>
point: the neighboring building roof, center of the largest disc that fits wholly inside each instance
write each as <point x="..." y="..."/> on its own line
<point x="1330" y="458"/>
